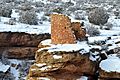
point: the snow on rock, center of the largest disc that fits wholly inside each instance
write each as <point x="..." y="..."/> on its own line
<point x="111" y="64"/>
<point x="43" y="78"/>
<point x="96" y="47"/>
<point x="83" y="78"/>
<point x="97" y="38"/>
<point x="94" y="58"/>
<point x="57" y="56"/>
<point x="4" y="68"/>
<point x="40" y="65"/>
<point x="114" y="41"/>
<point x="46" y="42"/>
<point x="67" y="47"/>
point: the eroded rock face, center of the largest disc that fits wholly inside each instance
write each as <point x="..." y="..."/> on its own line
<point x="61" y="65"/>
<point x="109" y="75"/>
<point x="61" y="76"/>
<point x="15" y="39"/>
<point x="78" y="31"/>
<point x="20" y="45"/>
<point x="19" y="52"/>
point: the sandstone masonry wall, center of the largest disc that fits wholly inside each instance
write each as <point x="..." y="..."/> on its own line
<point x="63" y="31"/>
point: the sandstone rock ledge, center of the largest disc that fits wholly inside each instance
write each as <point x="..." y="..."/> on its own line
<point x="20" y="45"/>
<point x="56" y="63"/>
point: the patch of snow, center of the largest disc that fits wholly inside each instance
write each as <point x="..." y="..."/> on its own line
<point x="111" y="64"/>
<point x="40" y="65"/>
<point x="112" y="56"/>
<point x="83" y="78"/>
<point x="93" y="58"/>
<point x="14" y="14"/>
<point x="32" y="69"/>
<point x="4" y="19"/>
<point x="43" y="1"/>
<point x="83" y="51"/>
<point x="68" y="47"/>
<point x="15" y="72"/>
<point x="74" y="20"/>
<point x="40" y="15"/>
<point x="117" y="39"/>
<point x="112" y="47"/>
<point x="96" y="47"/>
<point x="57" y="56"/>
<point x="43" y="78"/>
<point x="109" y="32"/>
<point x="113" y="41"/>
<point x="45" y="68"/>
<point x="97" y="38"/>
<point x="15" y="61"/>
<point x="115" y="22"/>
<point x="4" y="68"/>
<point x="46" y="42"/>
<point x="66" y="0"/>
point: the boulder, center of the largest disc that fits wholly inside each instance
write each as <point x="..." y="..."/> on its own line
<point x="73" y="62"/>
<point x="110" y="68"/>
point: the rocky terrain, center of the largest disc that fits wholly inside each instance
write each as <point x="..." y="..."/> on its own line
<point x="25" y="23"/>
<point x="67" y="62"/>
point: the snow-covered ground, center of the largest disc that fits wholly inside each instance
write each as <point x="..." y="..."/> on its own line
<point x="4" y="68"/>
<point x="20" y="27"/>
<point x="19" y="70"/>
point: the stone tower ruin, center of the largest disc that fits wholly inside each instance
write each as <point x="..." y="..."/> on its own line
<point x="63" y="31"/>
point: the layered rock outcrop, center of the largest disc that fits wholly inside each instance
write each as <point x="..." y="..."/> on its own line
<point x="71" y="61"/>
<point x="64" y="57"/>
<point x="17" y="39"/>
<point x="19" y="52"/>
<point x="20" y="45"/>
<point x="61" y="65"/>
